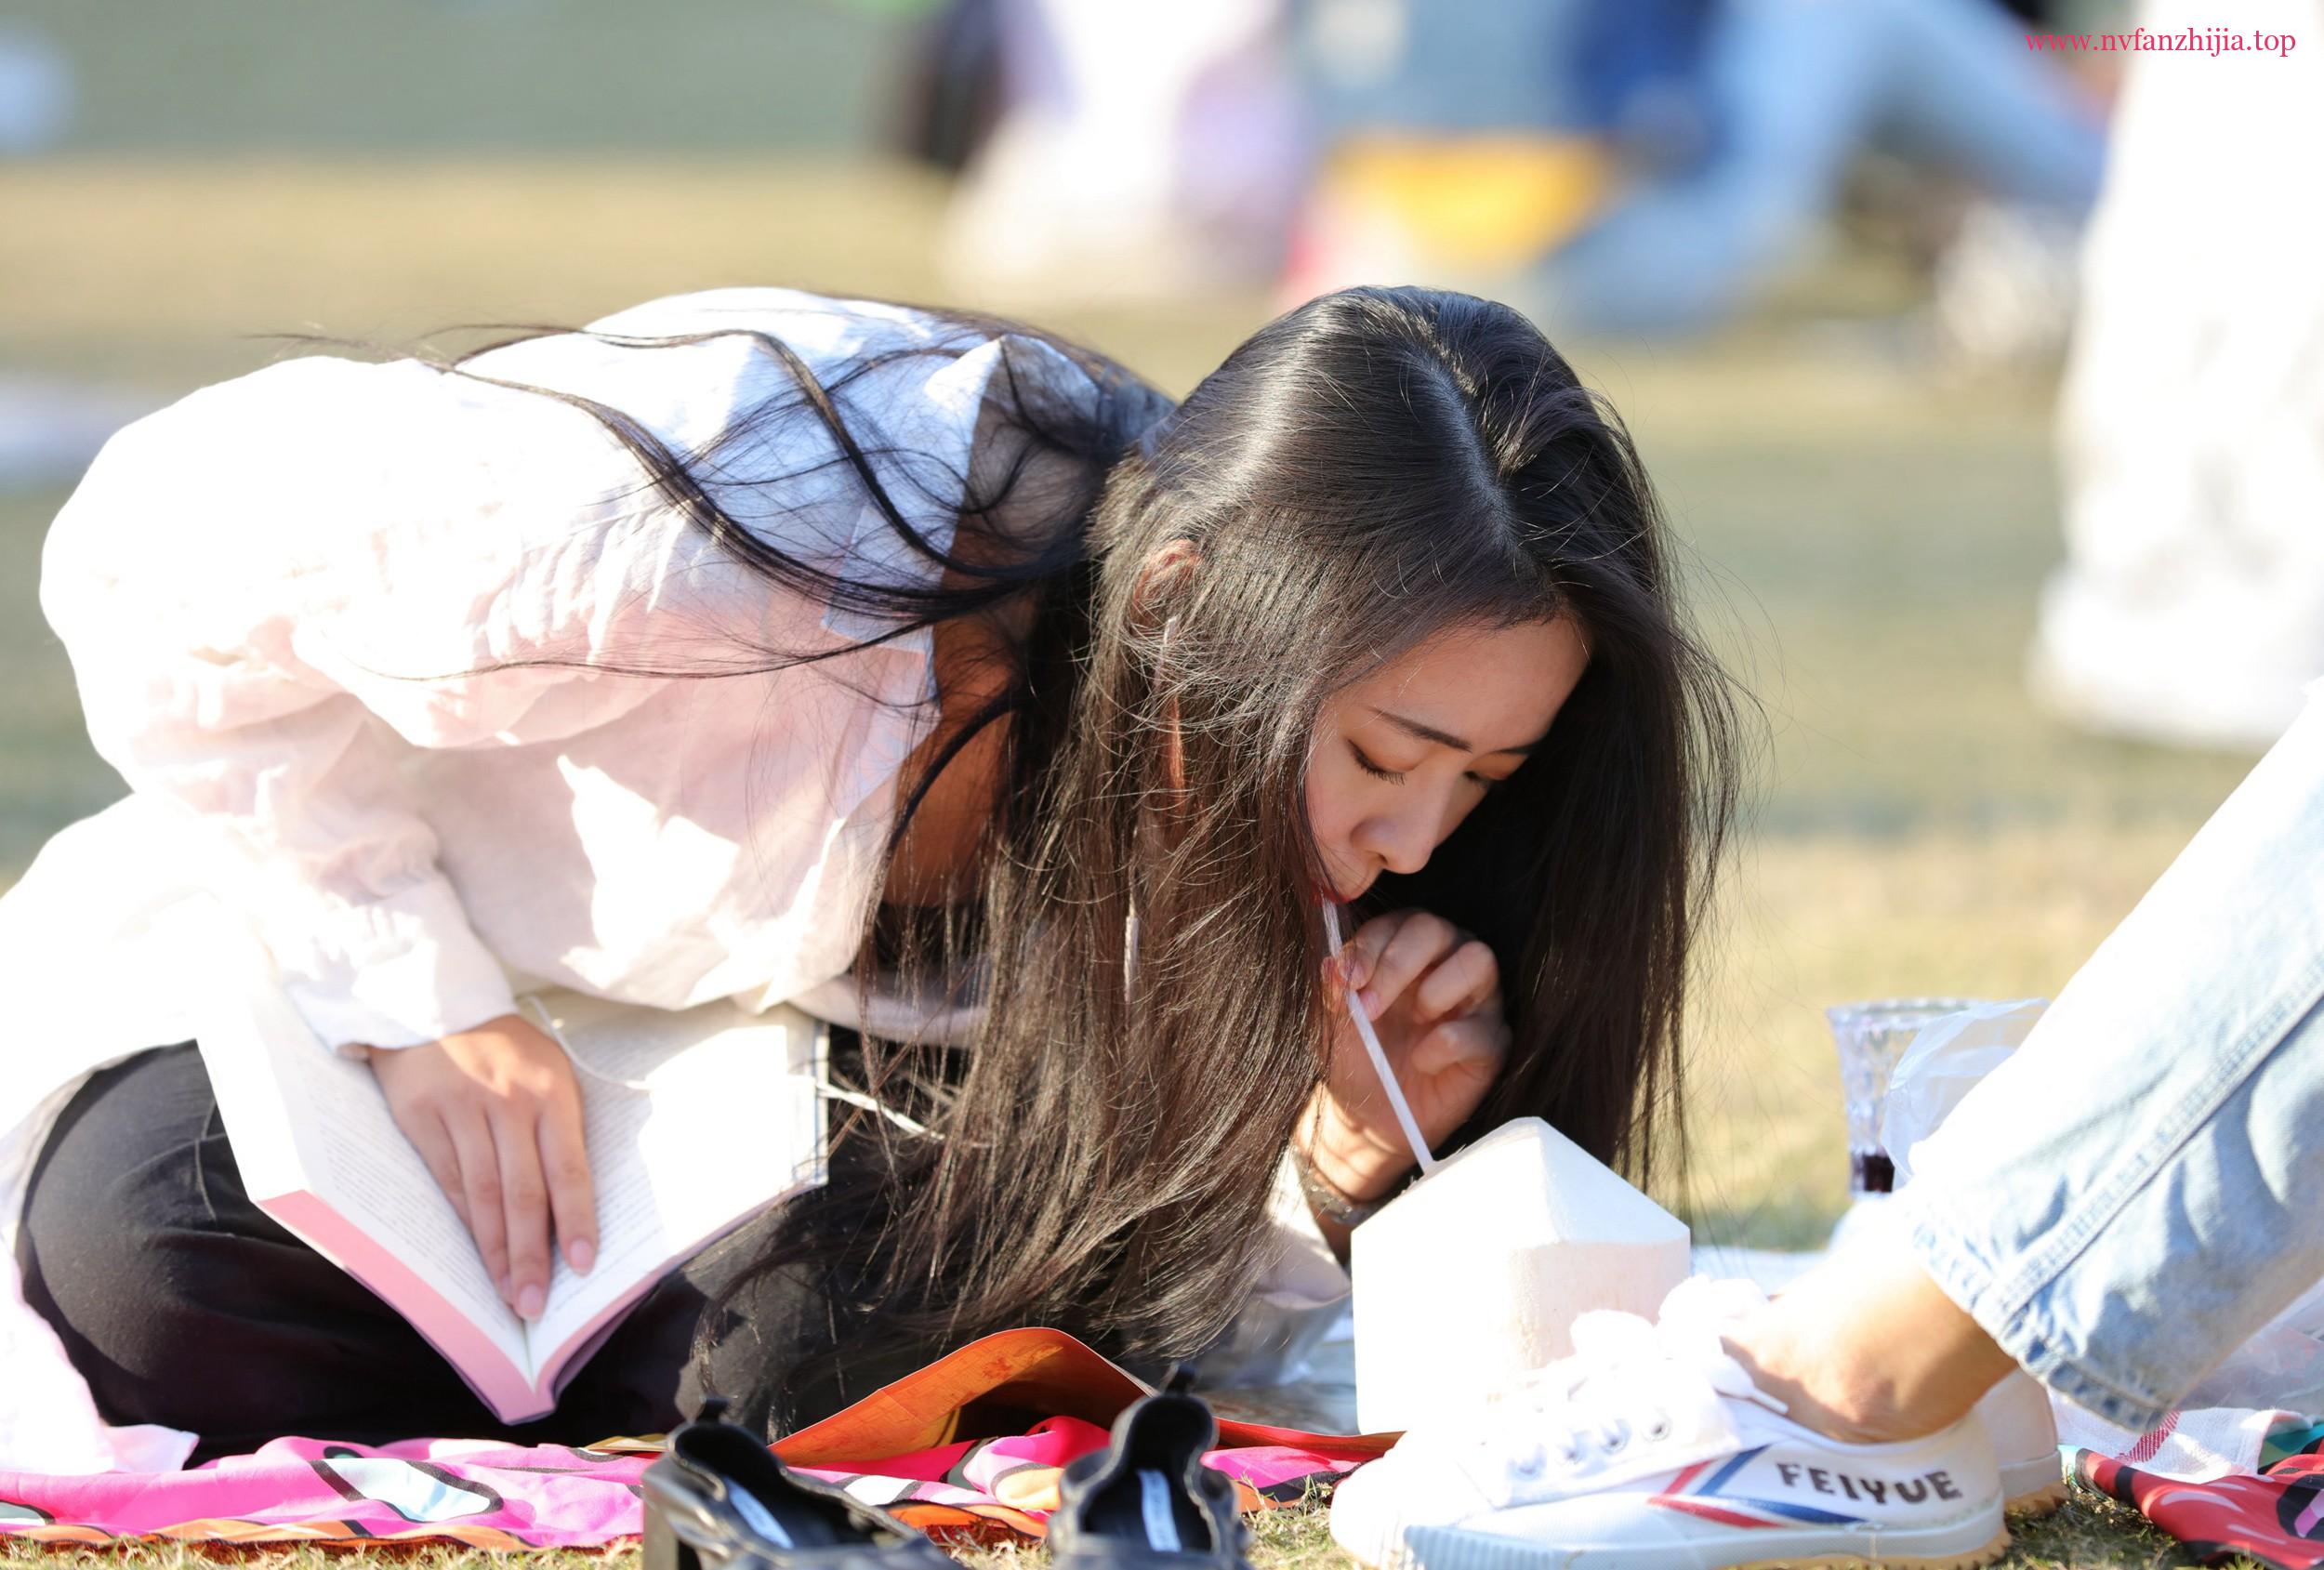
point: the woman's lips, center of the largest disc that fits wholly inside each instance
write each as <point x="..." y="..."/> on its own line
<point x="1334" y="887"/>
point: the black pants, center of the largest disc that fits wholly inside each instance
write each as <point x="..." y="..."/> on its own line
<point x="182" y="1303"/>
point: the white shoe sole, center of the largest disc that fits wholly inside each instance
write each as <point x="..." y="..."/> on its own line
<point x="2039" y="1501"/>
<point x="1963" y="1545"/>
<point x="2033" y="1486"/>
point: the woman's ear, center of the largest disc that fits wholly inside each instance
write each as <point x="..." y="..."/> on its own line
<point x="1162" y="582"/>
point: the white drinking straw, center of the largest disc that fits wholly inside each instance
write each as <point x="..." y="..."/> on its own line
<point x="1379" y="1057"/>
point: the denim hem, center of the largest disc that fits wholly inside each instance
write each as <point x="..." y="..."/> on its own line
<point x="2226" y="1078"/>
<point x="1962" y="1276"/>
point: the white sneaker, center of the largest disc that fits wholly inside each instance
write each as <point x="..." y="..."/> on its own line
<point x="1651" y="1448"/>
<point x="2016" y="1413"/>
<point x="2018" y="1416"/>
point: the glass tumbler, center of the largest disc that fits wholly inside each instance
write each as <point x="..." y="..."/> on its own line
<point x="1872" y="1037"/>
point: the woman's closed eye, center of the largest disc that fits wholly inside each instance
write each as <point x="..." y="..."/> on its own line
<point x="1394" y="776"/>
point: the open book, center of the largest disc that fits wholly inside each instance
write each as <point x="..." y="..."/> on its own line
<point x="726" y="1122"/>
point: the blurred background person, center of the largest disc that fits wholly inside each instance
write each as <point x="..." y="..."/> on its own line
<point x="36" y="89"/>
<point x="1138" y="151"/>
<point x="1643" y="167"/>
<point x="2191" y="609"/>
<point x="49" y="429"/>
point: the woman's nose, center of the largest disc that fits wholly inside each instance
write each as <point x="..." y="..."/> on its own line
<point x="1402" y="840"/>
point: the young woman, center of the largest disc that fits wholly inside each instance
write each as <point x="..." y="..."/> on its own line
<point x="926" y="670"/>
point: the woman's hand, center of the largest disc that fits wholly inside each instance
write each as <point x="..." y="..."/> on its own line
<point x="495" y="1112"/>
<point x="1435" y="997"/>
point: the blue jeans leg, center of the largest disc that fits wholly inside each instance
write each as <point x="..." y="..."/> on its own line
<point x="1799" y="88"/>
<point x="2137" y="1190"/>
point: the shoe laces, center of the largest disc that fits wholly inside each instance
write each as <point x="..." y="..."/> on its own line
<point x="1625" y="1383"/>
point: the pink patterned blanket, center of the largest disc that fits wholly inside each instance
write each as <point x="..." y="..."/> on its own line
<point x="495" y="1495"/>
<point x="902" y="1446"/>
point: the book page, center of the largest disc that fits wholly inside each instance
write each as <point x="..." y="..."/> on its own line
<point x="732" y="1121"/>
<point x="370" y="1173"/>
<point x="728" y="1121"/>
<point x="303" y="1119"/>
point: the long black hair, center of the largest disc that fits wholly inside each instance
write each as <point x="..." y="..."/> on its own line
<point x="1376" y="466"/>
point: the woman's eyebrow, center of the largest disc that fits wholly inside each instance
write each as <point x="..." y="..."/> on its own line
<point x="1445" y="738"/>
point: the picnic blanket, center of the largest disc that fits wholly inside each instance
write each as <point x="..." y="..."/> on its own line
<point x="2224" y="1481"/>
<point x="971" y="1446"/>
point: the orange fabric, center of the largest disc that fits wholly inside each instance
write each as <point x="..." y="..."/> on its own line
<point x="1038" y="1370"/>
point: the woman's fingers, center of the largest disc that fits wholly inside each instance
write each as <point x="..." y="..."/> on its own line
<point x="479" y="1180"/>
<point x="1416" y="947"/>
<point x="433" y="1140"/>
<point x="1466" y="981"/>
<point x="571" y="1195"/>
<point x="1358" y="957"/>
<point x="1446" y="1039"/>
<point x="496" y="1113"/>
<point x="1456" y="974"/>
<point x="524" y="1207"/>
<point x="1473" y="1043"/>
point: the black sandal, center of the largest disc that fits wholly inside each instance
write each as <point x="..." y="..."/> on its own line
<point x="1147" y="1499"/>
<point x="718" y="1499"/>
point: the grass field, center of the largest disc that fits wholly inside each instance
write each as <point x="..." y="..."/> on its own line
<point x="1869" y="543"/>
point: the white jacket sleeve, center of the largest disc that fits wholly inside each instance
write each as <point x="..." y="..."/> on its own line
<point x="1292" y="1306"/>
<point x="273" y="590"/>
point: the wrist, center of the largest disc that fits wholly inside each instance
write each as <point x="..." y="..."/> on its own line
<point x="1334" y="1211"/>
<point x="1356" y="1166"/>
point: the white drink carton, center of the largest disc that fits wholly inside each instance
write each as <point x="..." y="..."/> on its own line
<point x="1475" y="1274"/>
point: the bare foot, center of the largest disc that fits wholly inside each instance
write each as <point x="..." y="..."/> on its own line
<point x="1865" y="1348"/>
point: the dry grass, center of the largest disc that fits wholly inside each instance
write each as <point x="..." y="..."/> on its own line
<point x="1872" y="546"/>
<point x="2090" y="1533"/>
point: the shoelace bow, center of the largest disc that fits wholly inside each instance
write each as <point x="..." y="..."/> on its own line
<point x="1583" y="1410"/>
